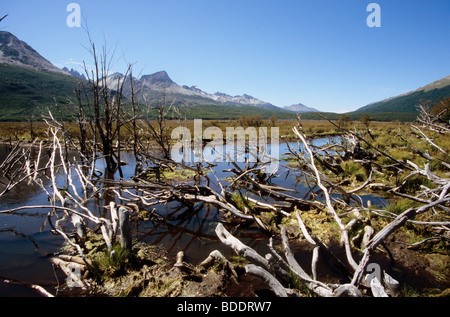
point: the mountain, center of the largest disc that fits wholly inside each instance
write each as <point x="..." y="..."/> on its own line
<point x="438" y="84"/>
<point x="405" y="105"/>
<point x="73" y="72"/>
<point x="30" y="84"/>
<point x="29" y="80"/>
<point x="18" y="53"/>
<point x="300" y="108"/>
<point x="153" y="88"/>
<point x="26" y="92"/>
<point x="159" y="80"/>
<point x="225" y="99"/>
<point x="242" y="100"/>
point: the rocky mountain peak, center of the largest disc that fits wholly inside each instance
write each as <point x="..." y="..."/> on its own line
<point x="75" y="73"/>
<point x="160" y="79"/>
<point x="299" y="108"/>
<point x="16" y="52"/>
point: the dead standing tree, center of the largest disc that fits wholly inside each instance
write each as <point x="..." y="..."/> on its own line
<point x="158" y="128"/>
<point x="105" y="98"/>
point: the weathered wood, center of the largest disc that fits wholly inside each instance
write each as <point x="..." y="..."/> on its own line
<point x="268" y="278"/>
<point x="67" y="268"/>
<point x="125" y="229"/>
<point x="347" y="290"/>
<point x="179" y="259"/>
<point x="266" y="263"/>
<point x="391" y="284"/>
<point x="268" y="206"/>
<point x="212" y="257"/>
<point x="429" y="174"/>
<point x="35" y="287"/>
<point x="295" y="267"/>
<point x="329" y="205"/>
<point x="66" y="238"/>
<point x="79" y="225"/>
<point x="417" y="130"/>
<point x="75" y="259"/>
<point x="314" y="261"/>
<point x="377" y="288"/>
<point x="368" y="234"/>
<point x="215" y="257"/>
<point x="240" y="248"/>
<point x="114" y="219"/>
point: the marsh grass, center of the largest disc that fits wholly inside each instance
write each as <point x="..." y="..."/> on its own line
<point x="414" y="183"/>
<point x="242" y="203"/>
<point x="173" y="175"/>
<point x="115" y="265"/>
<point x="321" y="224"/>
<point x="354" y="171"/>
<point x="39" y="129"/>
<point x="401" y="205"/>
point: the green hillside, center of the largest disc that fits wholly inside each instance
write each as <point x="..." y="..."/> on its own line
<point x="407" y="102"/>
<point x="233" y="112"/>
<point x="25" y="92"/>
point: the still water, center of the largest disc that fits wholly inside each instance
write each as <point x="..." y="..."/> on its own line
<point x="26" y="240"/>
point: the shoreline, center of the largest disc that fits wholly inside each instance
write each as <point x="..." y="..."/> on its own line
<point x="283" y="139"/>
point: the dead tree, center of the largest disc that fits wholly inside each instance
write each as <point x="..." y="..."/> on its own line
<point x="272" y="268"/>
<point x="2" y="18"/>
<point x="157" y="127"/>
<point x="434" y="121"/>
<point x="106" y="103"/>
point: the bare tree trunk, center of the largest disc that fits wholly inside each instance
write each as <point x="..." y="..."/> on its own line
<point x="125" y="229"/>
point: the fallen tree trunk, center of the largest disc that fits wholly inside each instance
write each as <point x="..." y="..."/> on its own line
<point x="269" y="279"/>
<point x="41" y="290"/>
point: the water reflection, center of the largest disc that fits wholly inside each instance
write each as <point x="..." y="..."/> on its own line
<point x="25" y="241"/>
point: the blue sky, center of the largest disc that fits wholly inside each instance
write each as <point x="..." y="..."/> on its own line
<point x="317" y="52"/>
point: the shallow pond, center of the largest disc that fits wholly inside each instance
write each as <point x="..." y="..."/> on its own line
<point x="26" y="240"/>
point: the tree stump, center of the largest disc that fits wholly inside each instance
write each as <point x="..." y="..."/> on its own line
<point x="125" y="229"/>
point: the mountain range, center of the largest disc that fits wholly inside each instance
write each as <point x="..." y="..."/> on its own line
<point x="153" y="88"/>
<point x="149" y="88"/>
<point x="29" y="81"/>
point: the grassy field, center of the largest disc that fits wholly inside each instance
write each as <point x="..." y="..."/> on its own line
<point x="15" y="131"/>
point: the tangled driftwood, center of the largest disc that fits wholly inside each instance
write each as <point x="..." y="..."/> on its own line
<point x="258" y="195"/>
